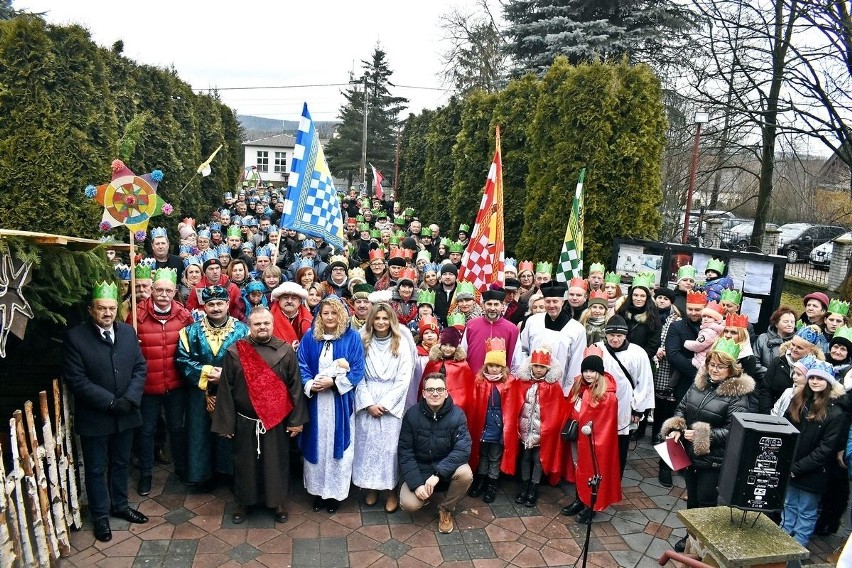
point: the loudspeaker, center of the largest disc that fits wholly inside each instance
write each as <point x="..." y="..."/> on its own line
<point x="757" y="462"/>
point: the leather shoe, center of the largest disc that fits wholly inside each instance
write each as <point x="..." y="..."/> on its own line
<point x="319" y="504"/>
<point x="280" y="515"/>
<point x="238" y="517"/>
<point x="680" y="545"/>
<point x="102" y="530"/>
<point x="131" y="515"/>
<point x="585" y="516"/>
<point x="392" y="503"/>
<point x="144" y="487"/>
<point x="332" y="505"/>
<point x="371" y="497"/>
<point x="573" y="508"/>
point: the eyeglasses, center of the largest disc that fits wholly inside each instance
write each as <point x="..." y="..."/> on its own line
<point x="716" y="366"/>
<point x="435" y="390"/>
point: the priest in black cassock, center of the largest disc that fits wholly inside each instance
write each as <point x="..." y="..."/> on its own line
<point x="261" y="405"/>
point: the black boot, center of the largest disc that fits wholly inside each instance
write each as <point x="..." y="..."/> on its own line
<point x="585" y="516"/>
<point x="573" y="508"/>
<point x="532" y="495"/>
<point x="478" y="486"/>
<point x="664" y="476"/>
<point x="490" y="491"/>
<point x="523" y="492"/>
<point x="680" y="545"/>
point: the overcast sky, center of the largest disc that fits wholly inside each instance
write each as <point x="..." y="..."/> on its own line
<point x="273" y="44"/>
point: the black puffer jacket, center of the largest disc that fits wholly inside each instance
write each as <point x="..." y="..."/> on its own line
<point x="708" y="408"/>
<point x="432" y="443"/>
<point x="816" y="447"/>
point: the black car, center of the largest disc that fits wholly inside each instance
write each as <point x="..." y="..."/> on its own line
<point x="799" y="239"/>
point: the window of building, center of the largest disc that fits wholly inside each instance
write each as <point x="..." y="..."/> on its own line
<point x="280" y="165"/>
<point x="262" y="161"/>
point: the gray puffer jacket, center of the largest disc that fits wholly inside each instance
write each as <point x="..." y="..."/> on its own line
<point x="766" y="346"/>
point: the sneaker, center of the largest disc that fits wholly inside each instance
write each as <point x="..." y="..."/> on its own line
<point x="144" y="487"/>
<point x="445" y="521"/>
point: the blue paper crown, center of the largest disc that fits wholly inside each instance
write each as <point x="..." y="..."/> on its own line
<point x="236" y="221"/>
<point x="431" y="267"/>
<point x="190" y="260"/>
<point x="248" y="245"/>
<point x="306" y="263"/>
<point x="149" y="262"/>
<point x="262" y="251"/>
<point x="809" y="333"/>
<point x="122" y="271"/>
<point x="229" y="195"/>
<point x="223" y="249"/>
<point x="511" y="262"/>
<point x="203" y="234"/>
<point x="209" y="254"/>
<point x="272" y="230"/>
<point x="215" y="227"/>
<point x="249" y="221"/>
<point x="309" y="243"/>
<point x="224" y="212"/>
<point x="267" y="211"/>
<point x="186" y="249"/>
<point x="158" y="232"/>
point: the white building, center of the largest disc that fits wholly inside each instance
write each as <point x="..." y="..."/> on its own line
<point x="271" y="157"/>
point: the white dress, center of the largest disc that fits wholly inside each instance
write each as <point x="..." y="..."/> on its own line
<point x="323" y="479"/>
<point x="386" y="381"/>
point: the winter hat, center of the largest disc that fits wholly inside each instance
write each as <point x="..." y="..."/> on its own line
<point x="449" y="267"/>
<point x="823" y="370"/>
<point x="616" y="324"/>
<point x="818" y="296"/>
<point x="843" y="336"/>
<point x="598" y="297"/>
<point x="592" y="359"/>
<point x="450" y="336"/>
<point x="714" y="310"/>
<point x="805" y="363"/>
<point x="667" y="292"/>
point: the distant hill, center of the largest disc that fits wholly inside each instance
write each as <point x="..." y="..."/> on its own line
<point x="255" y="127"/>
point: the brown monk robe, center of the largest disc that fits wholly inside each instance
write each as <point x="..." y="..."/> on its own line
<point x="261" y="405"/>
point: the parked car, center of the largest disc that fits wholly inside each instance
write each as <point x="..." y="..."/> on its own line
<point x="820" y="257"/>
<point x="728" y="220"/>
<point x="799" y="239"/>
<point x="738" y="237"/>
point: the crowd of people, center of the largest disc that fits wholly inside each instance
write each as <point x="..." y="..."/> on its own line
<point x="376" y="368"/>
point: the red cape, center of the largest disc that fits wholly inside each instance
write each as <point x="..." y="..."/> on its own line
<point x="510" y="403"/>
<point x="284" y="330"/>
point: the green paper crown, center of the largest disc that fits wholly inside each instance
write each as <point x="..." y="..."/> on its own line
<point x="727" y="346"/>
<point x="445" y="241"/>
<point x="399" y="221"/>
<point x="399" y="234"/>
<point x="425" y="232"/>
<point x="142" y="271"/>
<point x="375" y="234"/>
<point x="465" y="287"/>
<point x="426" y="297"/>
<point x="169" y="274"/>
<point x="612" y="278"/>
<point x="716" y="265"/>
<point x="644" y="279"/>
<point x="234" y="231"/>
<point x="104" y="291"/>
<point x="686" y="271"/>
<point x="544" y="268"/>
<point x="844" y="332"/>
<point x="425" y="255"/>
<point x="597" y="267"/>
<point x="409" y="212"/>
<point x="359" y="218"/>
<point x="456" y="247"/>
<point x="456" y="319"/>
<point x="363" y="227"/>
<point x="836" y="306"/>
<point x="394" y="240"/>
<point x="464" y="229"/>
<point x="736" y="297"/>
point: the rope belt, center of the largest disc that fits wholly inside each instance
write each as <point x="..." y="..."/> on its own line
<point x="259" y="429"/>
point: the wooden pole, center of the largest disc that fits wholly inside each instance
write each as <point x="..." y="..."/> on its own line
<point x="74" y="500"/>
<point x="41" y="481"/>
<point x="61" y="459"/>
<point x="9" y="543"/>
<point x="132" y="280"/>
<point x="60" y="526"/>
<point x="18" y="473"/>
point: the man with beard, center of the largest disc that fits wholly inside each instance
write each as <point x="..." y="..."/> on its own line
<point x="361" y="305"/>
<point x="479" y="331"/>
<point x="556" y="329"/>
<point x="260" y="406"/>
<point x="444" y="291"/>
<point x="292" y="318"/>
<point x="212" y="269"/>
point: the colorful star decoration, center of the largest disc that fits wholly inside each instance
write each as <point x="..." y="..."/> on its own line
<point x="129" y="199"/>
<point x="12" y="302"/>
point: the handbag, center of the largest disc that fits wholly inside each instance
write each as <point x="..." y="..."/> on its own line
<point x="569" y="431"/>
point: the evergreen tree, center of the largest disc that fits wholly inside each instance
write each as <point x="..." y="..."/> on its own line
<point x="584" y="30"/>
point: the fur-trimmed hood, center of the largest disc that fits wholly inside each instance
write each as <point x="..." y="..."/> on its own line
<point x="435" y="353"/>
<point x="342" y="319"/>
<point x="734" y="386"/>
<point x="554" y="374"/>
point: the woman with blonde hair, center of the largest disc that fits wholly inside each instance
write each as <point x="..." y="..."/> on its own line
<point x="779" y="376"/>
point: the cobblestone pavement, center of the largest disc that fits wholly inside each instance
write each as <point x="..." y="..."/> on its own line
<point x="188" y="528"/>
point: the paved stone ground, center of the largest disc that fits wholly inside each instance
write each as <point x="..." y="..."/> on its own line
<point x="192" y="529"/>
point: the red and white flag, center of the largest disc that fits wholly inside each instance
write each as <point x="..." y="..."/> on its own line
<point x="378" y="178"/>
<point x="483" y="260"/>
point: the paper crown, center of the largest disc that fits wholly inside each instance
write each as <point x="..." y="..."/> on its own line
<point x="510" y="264"/>
<point x="612" y="278"/>
<point x="169" y="274"/>
<point x="836" y="306"/>
<point x="428" y="322"/>
<point x="544" y="268"/>
<point x="225" y="213"/>
<point x="809" y="333"/>
<point x="215" y="227"/>
<point x="431" y="267"/>
<point x="396" y="253"/>
<point x="736" y="320"/>
<point x="223" y="249"/>
<point x="393" y="240"/>
<point x="248" y="245"/>
<point x="377" y="254"/>
<point x="236" y="222"/>
<point x="263" y="252"/>
<point x="424" y="255"/>
<point x="597" y="267"/>
<point x="234" y="231"/>
<point x="495" y="353"/>
<point x="526" y="265"/>
<point x="209" y="255"/>
<point x="645" y="280"/>
<point x="192" y="260"/>
<point x="733" y="296"/>
<point x="363" y="227"/>
<point x="465" y="290"/>
<point x="696" y="298"/>
<point x="204" y="234"/>
<point x="426" y="297"/>
<point x="598" y="297"/>
<point x="356" y="274"/>
<point x="409" y="212"/>
<point x="407" y="274"/>
<point x="142" y="271"/>
<point x="122" y="271"/>
<point x="714" y="309"/>
<point x="399" y="221"/>
<point x="185" y="249"/>
<point x="456" y="247"/>
<point x="578" y="283"/>
<point x="338" y="260"/>
<point x="593" y="350"/>
<point x="843" y="332"/>
<point x="686" y="271"/>
<point x="375" y="234"/>
<point x="309" y="244"/>
<point x="464" y="229"/>
<point x="823" y="370"/>
<point x="426" y="232"/>
<point x="542" y="357"/>
<point x="104" y="291"/>
<point x="495" y="344"/>
<point x="158" y="232"/>
<point x="716" y="265"/>
<point x="407" y="254"/>
<point x="727" y="346"/>
<point x="456" y="320"/>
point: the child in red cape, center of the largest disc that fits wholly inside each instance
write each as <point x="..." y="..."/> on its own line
<point x="494" y="424"/>
<point x="592" y="401"/>
<point x="448" y="359"/>
<point x="540" y="423"/>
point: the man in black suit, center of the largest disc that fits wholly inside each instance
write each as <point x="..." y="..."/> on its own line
<point x="105" y="370"/>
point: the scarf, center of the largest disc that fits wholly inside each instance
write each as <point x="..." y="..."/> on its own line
<point x="268" y="395"/>
<point x="557" y="324"/>
<point x="493" y="378"/>
<point x="282" y="328"/>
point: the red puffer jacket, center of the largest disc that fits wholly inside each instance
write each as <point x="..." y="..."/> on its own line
<point x="158" y="337"/>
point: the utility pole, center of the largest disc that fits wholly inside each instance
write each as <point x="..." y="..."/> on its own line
<point x="364" y="140"/>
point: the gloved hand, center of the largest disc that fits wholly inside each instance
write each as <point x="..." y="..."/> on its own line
<point x="121" y="406"/>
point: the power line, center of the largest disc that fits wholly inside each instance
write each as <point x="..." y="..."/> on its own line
<point x="307" y="86"/>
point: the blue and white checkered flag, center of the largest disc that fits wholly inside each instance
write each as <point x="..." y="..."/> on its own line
<point x="312" y="206"/>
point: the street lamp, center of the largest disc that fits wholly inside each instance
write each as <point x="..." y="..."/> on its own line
<point x="363" y="135"/>
<point x="700" y="118"/>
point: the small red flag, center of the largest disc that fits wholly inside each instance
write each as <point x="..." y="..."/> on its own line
<point x="378" y="178"/>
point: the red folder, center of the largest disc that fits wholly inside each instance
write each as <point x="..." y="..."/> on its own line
<point x="674" y="454"/>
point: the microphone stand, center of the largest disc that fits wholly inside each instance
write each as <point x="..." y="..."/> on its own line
<point x="594" y="483"/>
